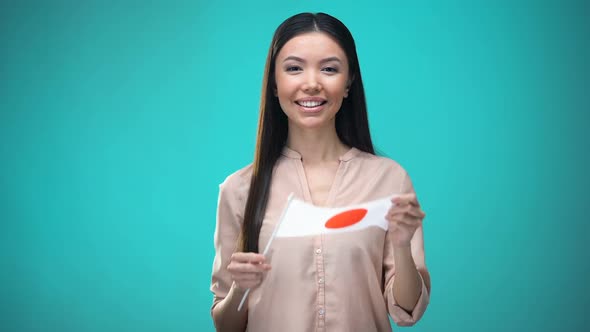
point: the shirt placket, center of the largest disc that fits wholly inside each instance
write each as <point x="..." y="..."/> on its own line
<point x="319" y="260"/>
<point x="318" y="242"/>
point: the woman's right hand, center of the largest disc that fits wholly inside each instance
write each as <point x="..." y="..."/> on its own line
<point x="246" y="269"/>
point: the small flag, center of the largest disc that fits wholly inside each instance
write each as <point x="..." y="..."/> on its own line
<point x="303" y="219"/>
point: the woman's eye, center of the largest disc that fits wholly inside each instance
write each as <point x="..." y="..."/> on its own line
<point x="293" y="68"/>
<point x="331" y="69"/>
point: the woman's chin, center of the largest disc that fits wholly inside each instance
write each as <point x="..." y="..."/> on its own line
<point x="314" y="124"/>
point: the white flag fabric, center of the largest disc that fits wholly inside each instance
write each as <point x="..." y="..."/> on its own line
<point x="304" y="219"/>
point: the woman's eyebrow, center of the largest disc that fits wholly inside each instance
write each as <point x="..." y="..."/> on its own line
<point x="330" y="59"/>
<point x="292" y="57"/>
<point x="296" y="58"/>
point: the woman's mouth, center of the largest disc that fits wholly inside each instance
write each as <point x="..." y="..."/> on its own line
<point x="311" y="106"/>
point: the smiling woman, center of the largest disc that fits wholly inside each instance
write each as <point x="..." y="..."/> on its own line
<point x="314" y="142"/>
<point x="311" y="80"/>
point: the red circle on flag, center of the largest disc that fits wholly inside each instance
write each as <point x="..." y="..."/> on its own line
<point x="346" y="218"/>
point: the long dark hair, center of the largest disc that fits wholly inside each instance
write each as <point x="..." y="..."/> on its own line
<point x="352" y="125"/>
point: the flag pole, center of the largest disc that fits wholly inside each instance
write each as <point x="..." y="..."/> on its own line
<point x="274" y="233"/>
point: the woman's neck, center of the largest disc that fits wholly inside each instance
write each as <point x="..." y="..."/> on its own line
<point x="316" y="145"/>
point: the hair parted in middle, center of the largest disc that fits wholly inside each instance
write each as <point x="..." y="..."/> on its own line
<point x="352" y="125"/>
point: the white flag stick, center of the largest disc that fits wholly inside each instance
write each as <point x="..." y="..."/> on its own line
<point x="289" y="199"/>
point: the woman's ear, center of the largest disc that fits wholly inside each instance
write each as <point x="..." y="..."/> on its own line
<point x="347" y="87"/>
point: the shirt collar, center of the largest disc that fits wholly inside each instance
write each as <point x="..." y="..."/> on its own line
<point x="350" y="154"/>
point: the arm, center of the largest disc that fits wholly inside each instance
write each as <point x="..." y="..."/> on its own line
<point x="407" y="287"/>
<point x="411" y="273"/>
<point x="246" y="270"/>
<point x="226" y="315"/>
<point x="407" y="281"/>
<point x="233" y="272"/>
<point x="226" y="297"/>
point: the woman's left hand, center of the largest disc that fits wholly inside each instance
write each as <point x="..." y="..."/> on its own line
<point x="404" y="216"/>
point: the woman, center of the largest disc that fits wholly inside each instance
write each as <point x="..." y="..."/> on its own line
<point x="314" y="141"/>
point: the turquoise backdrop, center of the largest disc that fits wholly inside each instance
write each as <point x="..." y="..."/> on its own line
<point x="120" y="118"/>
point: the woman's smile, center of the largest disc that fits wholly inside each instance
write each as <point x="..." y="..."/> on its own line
<point x="311" y="105"/>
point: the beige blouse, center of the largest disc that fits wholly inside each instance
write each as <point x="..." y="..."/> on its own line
<point x="338" y="282"/>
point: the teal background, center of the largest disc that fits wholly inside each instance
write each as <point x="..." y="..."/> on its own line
<point x="119" y="120"/>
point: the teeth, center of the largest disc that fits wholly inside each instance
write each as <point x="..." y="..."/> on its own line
<point x="310" y="103"/>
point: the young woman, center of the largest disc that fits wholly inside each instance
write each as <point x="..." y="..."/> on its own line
<point x="314" y="141"/>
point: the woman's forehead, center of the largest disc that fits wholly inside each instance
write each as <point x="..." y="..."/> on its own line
<point x="312" y="45"/>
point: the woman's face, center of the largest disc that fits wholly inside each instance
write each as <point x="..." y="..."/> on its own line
<point x="311" y="75"/>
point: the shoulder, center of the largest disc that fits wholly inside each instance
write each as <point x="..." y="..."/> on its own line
<point x="379" y="164"/>
<point x="381" y="172"/>
<point x="237" y="182"/>
<point x="233" y="192"/>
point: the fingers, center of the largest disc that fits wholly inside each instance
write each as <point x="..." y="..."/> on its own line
<point x="247" y="262"/>
<point x="250" y="258"/>
<point x="248" y="277"/>
<point x="245" y="282"/>
<point x="247" y="257"/>
<point x="237" y="267"/>
<point x="411" y="210"/>
<point x="407" y="216"/>
<point x="405" y="221"/>
<point x="247" y="269"/>
<point x="406" y="199"/>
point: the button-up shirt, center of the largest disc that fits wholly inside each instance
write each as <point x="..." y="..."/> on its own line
<point x="327" y="282"/>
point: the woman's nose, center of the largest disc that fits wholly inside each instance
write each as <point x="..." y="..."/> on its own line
<point x="311" y="84"/>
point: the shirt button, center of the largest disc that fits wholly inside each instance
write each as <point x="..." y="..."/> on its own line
<point x="321" y="311"/>
<point x="321" y="281"/>
<point x="318" y="251"/>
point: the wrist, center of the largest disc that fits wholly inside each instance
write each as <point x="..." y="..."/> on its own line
<point x="402" y="246"/>
<point x="402" y="249"/>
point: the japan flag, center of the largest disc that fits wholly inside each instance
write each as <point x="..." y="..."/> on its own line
<point x="304" y="219"/>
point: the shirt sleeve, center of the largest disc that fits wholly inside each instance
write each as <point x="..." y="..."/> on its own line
<point x="227" y="231"/>
<point x="399" y="315"/>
